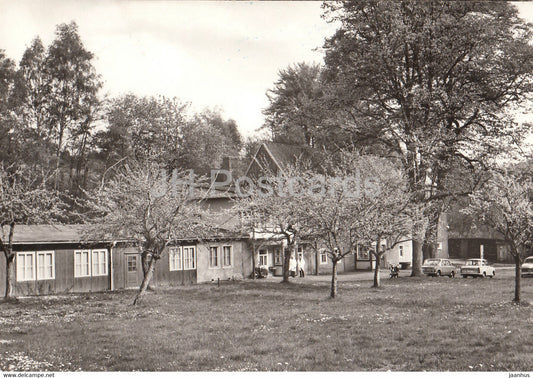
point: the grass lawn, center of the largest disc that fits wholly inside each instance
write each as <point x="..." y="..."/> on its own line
<point x="410" y="324"/>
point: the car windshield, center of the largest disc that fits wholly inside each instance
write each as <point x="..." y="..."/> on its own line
<point x="529" y="260"/>
<point x="432" y="262"/>
<point x="473" y="262"/>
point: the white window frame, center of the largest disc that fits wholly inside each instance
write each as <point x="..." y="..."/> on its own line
<point x="19" y="267"/>
<point x="45" y="253"/>
<point x="175" y="264"/>
<point x="191" y="261"/>
<point x="90" y="272"/>
<point x="98" y="273"/>
<point x="81" y="253"/>
<point x="400" y="248"/>
<point x="277" y="253"/>
<point x="230" y="249"/>
<point x="263" y="253"/>
<point x="214" y="264"/>
<point x="323" y="257"/>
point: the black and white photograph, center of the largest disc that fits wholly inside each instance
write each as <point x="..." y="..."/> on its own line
<point x="266" y="186"/>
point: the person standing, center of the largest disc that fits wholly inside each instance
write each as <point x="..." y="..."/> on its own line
<point x="292" y="266"/>
<point x="301" y="265"/>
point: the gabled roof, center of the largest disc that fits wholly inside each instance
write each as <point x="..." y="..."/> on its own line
<point x="283" y="155"/>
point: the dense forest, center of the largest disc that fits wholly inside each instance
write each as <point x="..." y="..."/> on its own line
<point x="56" y="124"/>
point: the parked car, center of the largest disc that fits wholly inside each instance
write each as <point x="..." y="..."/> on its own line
<point x="439" y="267"/>
<point x="527" y="267"/>
<point x="477" y="268"/>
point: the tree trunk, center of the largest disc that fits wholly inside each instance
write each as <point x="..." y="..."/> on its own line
<point x="333" y="293"/>
<point x="146" y="259"/>
<point x="429" y="248"/>
<point x="297" y="262"/>
<point x="146" y="281"/>
<point x="517" y="279"/>
<point x="10" y="260"/>
<point x="253" y="257"/>
<point x="417" y="258"/>
<point x="10" y="273"/>
<point x="376" y="271"/>
<point x="58" y="157"/>
<point x="317" y="261"/>
<point x="286" y="263"/>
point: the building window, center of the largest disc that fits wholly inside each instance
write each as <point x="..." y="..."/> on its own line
<point x="89" y="263"/>
<point x="175" y="259"/>
<point x="228" y="259"/>
<point x="45" y="265"/>
<point x="35" y="265"/>
<point x="132" y="263"/>
<point x="323" y="257"/>
<point x="99" y="262"/>
<point x="25" y="266"/>
<point x="263" y="257"/>
<point x="213" y="257"/>
<point x="401" y="251"/>
<point x="277" y="257"/>
<point x="362" y="253"/>
<point x="189" y="261"/>
<point x="82" y="267"/>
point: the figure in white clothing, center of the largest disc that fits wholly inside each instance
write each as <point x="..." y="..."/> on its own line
<point x="301" y="265"/>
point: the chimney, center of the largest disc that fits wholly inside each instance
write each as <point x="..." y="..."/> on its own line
<point x="226" y="163"/>
<point x="225" y="166"/>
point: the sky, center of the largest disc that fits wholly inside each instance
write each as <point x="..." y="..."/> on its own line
<point x="223" y="54"/>
<point x="211" y="54"/>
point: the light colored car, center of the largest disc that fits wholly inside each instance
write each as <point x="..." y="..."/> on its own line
<point x="477" y="268"/>
<point x="439" y="267"/>
<point x="527" y="267"/>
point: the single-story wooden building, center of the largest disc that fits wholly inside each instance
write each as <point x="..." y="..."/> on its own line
<point x="59" y="259"/>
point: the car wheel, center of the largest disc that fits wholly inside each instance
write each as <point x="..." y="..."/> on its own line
<point x="438" y="273"/>
<point x="465" y="276"/>
<point x="484" y="274"/>
<point x="452" y="274"/>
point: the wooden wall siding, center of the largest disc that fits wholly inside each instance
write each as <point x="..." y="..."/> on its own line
<point x="2" y="274"/>
<point x="119" y="266"/>
<point x="64" y="281"/>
